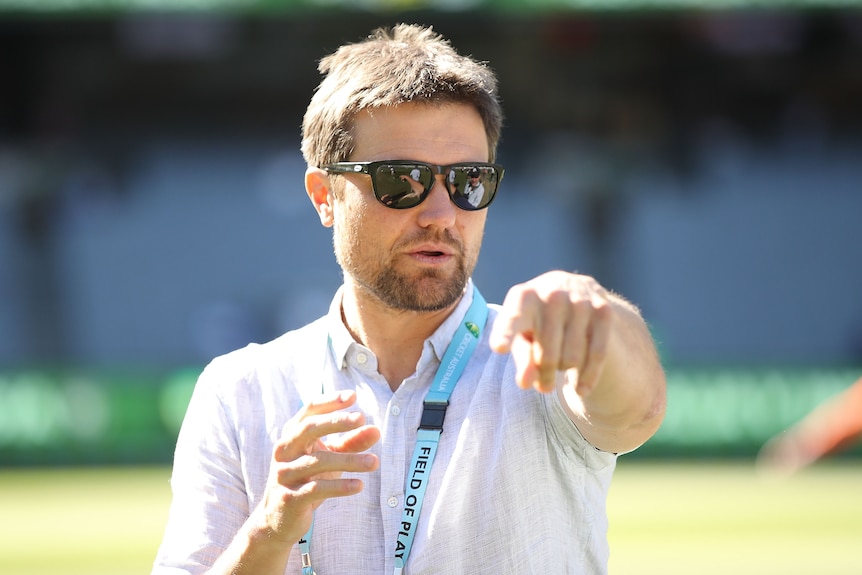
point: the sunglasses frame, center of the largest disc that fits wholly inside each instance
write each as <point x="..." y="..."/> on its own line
<point x="370" y="169"/>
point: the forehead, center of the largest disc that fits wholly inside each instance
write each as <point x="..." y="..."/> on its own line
<point x="435" y="133"/>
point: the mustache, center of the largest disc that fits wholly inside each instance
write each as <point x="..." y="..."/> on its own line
<point x="429" y="236"/>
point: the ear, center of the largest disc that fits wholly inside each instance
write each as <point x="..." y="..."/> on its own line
<point x="319" y="191"/>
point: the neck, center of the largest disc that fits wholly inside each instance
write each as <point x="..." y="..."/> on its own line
<point x="395" y="336"/>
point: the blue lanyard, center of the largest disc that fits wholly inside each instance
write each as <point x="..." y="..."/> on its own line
<point x="305" y="550"/>
<point x="430" y="427"/>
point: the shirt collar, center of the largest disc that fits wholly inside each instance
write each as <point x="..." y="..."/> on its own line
<point x="439" y="340"/>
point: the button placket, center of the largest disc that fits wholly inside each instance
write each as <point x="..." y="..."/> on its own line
<point x="395" y="464"/>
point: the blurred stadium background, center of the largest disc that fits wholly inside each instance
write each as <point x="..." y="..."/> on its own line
<point x="700" y="157"/>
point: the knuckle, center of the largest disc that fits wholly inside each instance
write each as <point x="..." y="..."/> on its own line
<point x="309" y="489"/>
<point x="286" y="449"/>
<point x="283" y="474"/>
<point x="558" y="299"/>
<point x="582" y="305"/>
<point x="603" y="307"/>
<point x="515" y="295"/>
<point x="305" y="427"/>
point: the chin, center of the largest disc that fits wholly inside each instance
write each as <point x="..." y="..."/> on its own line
<point x="438" y="294"/>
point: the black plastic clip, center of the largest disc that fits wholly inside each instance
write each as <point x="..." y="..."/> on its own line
<point x="433" y="415"/>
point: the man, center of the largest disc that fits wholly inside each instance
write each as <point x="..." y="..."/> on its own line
<point x="475" y="189"/>
<point x="322" y="451"/>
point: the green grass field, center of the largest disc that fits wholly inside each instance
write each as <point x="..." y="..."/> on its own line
<point x="666" y="518"/>
<point x="710" y="519"/>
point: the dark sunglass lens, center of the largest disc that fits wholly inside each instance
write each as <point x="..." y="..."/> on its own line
<point x="472" y="187"/>
<point x="401" y="186"/>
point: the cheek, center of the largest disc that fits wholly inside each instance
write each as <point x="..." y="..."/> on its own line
<point x="473" y="230"/>
<point x="346" y="226"/>
<point x="353" y="225"/>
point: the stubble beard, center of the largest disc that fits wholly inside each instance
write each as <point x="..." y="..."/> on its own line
<point x="426" y="290"/>
<point x="432" y="290"/>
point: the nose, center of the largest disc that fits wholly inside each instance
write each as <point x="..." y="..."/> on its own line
<point x="437" y="209"/>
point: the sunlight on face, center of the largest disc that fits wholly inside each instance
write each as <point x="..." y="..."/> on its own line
<point x="418" y="259"/>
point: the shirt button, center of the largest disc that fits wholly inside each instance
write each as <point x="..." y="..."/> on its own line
<point x="361" y="358"/>
<point x="395" y="410"/>
<point x="392" y="501"/>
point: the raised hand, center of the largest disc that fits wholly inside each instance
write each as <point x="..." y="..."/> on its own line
<point x="307" y="468"/>
<point x="557" y="322"/>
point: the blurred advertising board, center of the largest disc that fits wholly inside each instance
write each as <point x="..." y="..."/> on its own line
<point x="79" y="417"/>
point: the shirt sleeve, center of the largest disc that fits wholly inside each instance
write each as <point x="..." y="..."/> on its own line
<point x="569" y="439"/>
<point x="210" y="502"/>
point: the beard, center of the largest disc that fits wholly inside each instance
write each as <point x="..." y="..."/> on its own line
<point x="432" y="290"/>
<point x="420" y="290"/>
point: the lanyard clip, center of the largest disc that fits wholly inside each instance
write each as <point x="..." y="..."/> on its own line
<point x="433" y="414"/>
<point x="307" y="569"/>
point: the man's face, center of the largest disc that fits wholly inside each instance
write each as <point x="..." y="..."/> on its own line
<point x="418" y="259"/>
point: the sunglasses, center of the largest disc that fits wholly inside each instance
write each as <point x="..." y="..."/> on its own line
<point x="403" y="184"/>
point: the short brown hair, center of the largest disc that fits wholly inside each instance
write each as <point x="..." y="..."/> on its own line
<point x="406" y="63"/>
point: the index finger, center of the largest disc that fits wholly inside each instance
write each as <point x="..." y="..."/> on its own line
<point x="327" y="403"/>
<point x="517" y="317"/>
<point x="314" y="421"/>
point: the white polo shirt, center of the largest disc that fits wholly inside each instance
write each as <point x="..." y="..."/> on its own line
<point x="514" y="488"/>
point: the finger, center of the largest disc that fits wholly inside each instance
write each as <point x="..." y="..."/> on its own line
<point x="549" y="341"/>
<point x="327" y="403"/>
<point x="300" y="437"/>
<point x="597" y="350"/>
<point x="545" y="359"/>
<point x="314" y="492"/>
<point x="322" y="489"/>
<point x="576" y="340"/>
<point x="502" y="333"/>
<point x="360" y="439"/>
<point x="527" y="372"/>
<point x="516" y="317"/>
<point x="525" y="368"/>
<point x="288" y="508"/>
<point x="324" y="464"/>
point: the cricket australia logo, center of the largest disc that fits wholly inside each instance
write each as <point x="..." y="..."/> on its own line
<point x="472" y="328"/>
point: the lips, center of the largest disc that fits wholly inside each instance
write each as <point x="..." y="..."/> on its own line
<point x="431" y="251"/>
<point x="427" y="247"/>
